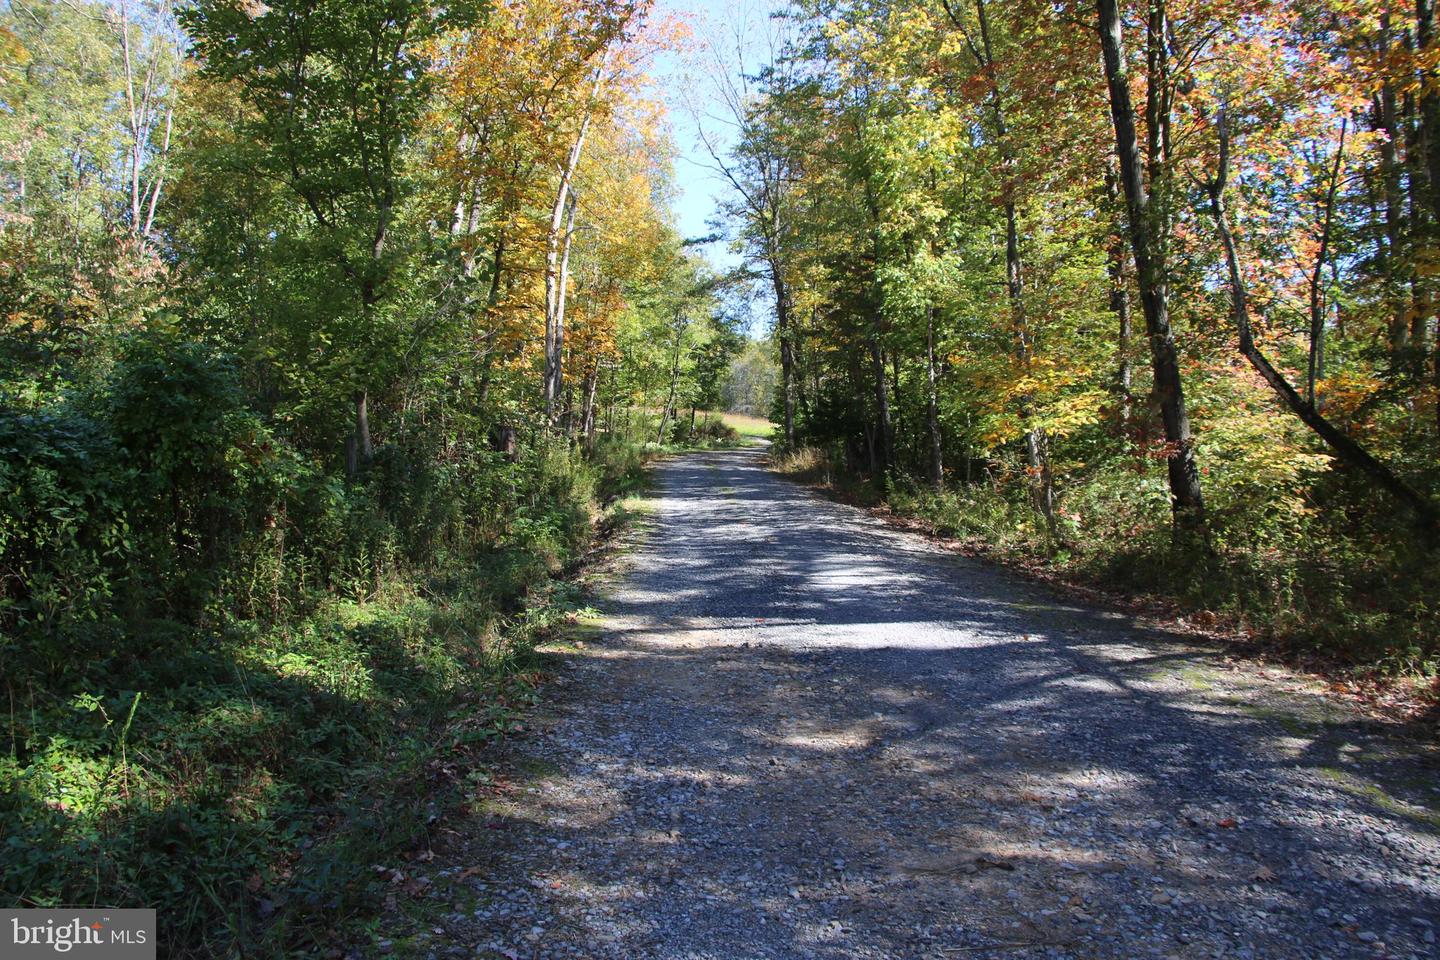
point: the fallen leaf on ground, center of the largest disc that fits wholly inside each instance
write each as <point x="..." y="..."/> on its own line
<point x="994" y="862"/>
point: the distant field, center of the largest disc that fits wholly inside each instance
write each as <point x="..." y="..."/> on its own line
<point x="747" y="426"/>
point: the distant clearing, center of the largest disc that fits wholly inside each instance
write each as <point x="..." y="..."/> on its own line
<point x="745" y="425"/>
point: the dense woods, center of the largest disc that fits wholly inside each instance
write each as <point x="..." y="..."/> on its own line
<point x="334" y="330"/>
<point x="1143" y="290"/>
<point x="329" y="330"/>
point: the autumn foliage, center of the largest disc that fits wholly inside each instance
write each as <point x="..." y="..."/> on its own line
<point x="331" y="332"/>
<point x="1165" y="316"/>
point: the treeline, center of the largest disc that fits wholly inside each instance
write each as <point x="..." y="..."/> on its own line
<point x="329" y="328"/>
<point x="1147" y="288"/>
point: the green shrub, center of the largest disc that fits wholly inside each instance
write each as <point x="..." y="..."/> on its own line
<point x="191" y="450"/>
<point x="234" y="672"/>
<point x="64" y="533"/>
<point x="1353" y="585"/>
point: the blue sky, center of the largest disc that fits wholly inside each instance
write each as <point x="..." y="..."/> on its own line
<point x="683" y="86"/>
<point x="699" y="187"/>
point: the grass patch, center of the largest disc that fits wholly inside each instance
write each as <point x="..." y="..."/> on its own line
<point x="1365" y="790"/>
<point x="691" y="430"/>
<point x="534" y="768"/>
<point x="813" y="466"/>
<point x="264" y="772"/>
<point x="1194" y="677"/>
<point x="1197" y="678"/>
<point x="748" y="426"/>
<point x="581" y="627"/>
<point x="1294" y="725"/>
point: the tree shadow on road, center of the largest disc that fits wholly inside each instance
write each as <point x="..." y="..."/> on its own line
<point x="806" y="734"/>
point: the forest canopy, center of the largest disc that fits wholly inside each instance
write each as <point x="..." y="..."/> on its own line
<point x="335" y="332"/>
<point x="1142" y="290"/>
<point x="332" y="332"/>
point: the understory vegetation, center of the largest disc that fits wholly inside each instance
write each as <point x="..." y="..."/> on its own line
<point x="332" y="332"/>
<point x="1145" y="291"/>
<point x="1345" y="594"/>
<point x="256" y="703"/>
<point x="335" y="330"/>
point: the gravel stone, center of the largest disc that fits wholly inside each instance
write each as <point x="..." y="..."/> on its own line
<point x="805" y="734"/>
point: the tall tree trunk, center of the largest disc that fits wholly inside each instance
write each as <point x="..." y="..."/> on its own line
<point x="787" y="353"/>
<point x="932" y="405"/>
<point x="1430" y="144"/>
<point x="358" y="448"/>
<point x="1186" y="499"/>
<point x="1037" y="447"/>
<point x="557" y="251"/>
<point x="1395" y="261"/>
<point x="884" y="442"/>
<point x="1429" y="102"/>
<point x="559" y="359"/>
<point x="587" y="417"/>
<point x="492" y="332"/>
<point x="1037" y="444"/>
<point x="1042" y="485"/>
<point x="1315" y="370"/>
<point x="1351" y="453"/>
<point x="362" y="426"/>
<point x="610" y="407"/>
<point x="1120" y="304"/>
<point x="557" y="266"/>
<point x="1418" y="205"/>
<point x="141" y="124"/>
<point x="669" y="409"/>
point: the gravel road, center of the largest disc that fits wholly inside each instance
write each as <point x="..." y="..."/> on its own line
<point x="806" y="734"/>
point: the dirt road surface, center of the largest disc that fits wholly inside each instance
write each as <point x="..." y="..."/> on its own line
<point x="805" y="734"/>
